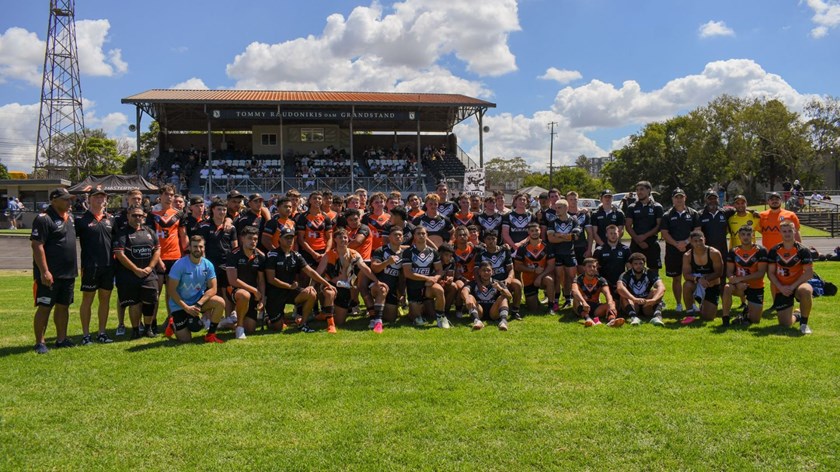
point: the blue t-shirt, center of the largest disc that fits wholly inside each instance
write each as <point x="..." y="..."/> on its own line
<point x="192" y="280"/>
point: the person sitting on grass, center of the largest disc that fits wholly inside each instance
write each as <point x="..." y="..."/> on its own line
<point x="192" y="287"/>
<point x="587" y="289"/>
<point x="486" y="297"/>
<point x="386" y="263"/>
<point x="746" y="265"/>
<point x="702" y="271"/>
<point x="641" y="292"/>
<point x="790" y="267"/>
<point x="536" y="265"/>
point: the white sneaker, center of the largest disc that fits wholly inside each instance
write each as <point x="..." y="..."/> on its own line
<point x="635" y="321"/>
<point x="419" y="321"/>
<point x="679" y="308"/>
<point x="240" y="332"/>
<point x="805" y="329"/>
<point x="691" y="309"/>
<point x="120" y="330"/>
<point x="206" y="322"/>
<point x="443" y="323"/>
<point x="460" y="314"/>
<point x="657" y="321"/>
<point x="228" y="322"/>
<point x="372" y="323"/>
<point x="477" y="324"/>
<point x="503" y="325"/>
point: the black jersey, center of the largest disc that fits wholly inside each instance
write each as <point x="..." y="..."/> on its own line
<point x="715" y="227"/>
<point x="138" y="245"/>
<point x="601" y="219"/>
<point x="645" y="217"/>
<point x="96" y="236"/>
<point x="286" y="266"/>
<point x="517" y="225"/>
<point x="679" y="225"/>
<point x="408" y="233"/>
<point x="120" y="223"/>
<point x="218" y="241"/>
<point x="484" y="294"/>
<point x="612" y="261"/>
<point x="584" y="220"/>
<point x="437" y="226"/>
<point x="249" y="218"/>
<point x="191" y="224"/>
<point x="247" y="268"/>
<point x="489" y="223"/>
<point x="501" y="260"/>
<point x="390" y="275"/>
<point x="421" y="262"/>
<point x="58" y="235"/>
<point x="641" y="285"/>
<point x="565" y="227"/>
<point x="447" y="209"/>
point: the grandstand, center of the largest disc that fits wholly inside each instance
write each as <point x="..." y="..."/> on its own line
<point x="271" y="141"/>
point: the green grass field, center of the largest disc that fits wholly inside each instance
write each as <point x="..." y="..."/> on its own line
<point x="546" y="395"/>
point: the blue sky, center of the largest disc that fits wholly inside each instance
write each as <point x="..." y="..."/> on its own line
<point x="599" y="68"/>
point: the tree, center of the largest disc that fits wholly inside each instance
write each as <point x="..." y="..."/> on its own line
<point x="823" y="127"/>
<point x="498" y="171"/>
<point x="4" y="172"/>
<point x="569" y="178"/>
<point x="101" y="155"/>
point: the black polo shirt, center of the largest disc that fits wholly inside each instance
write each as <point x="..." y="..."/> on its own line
<point x="218" y="241"/>
<point x="138" y="245"/>
<point x="601" y="219"/>
<point x="249" y="218"/>
<point x="286" y="267"/>
<point x="247" y="268"/>
<point x="644" y="217"/>
<point x="680" y="224"/>
<point x="96" y="237"/>
<point x="612" y="261"/>
<point x="58" y="235"/>
<point x="715" y="228"/>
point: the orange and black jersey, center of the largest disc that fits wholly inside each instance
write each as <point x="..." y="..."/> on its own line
<point x="746" y="262"/>
<point x="500" y="261"/>
<point x="590" y="287"/>
<point x="460" y="219"/>
<point x="272" y="228"/>
<point x="517" y="224"/>
<point x="790" y="262"/>
<point x="413" y="214"/>
<point x="337" y="267"/>
<point x="535" y="257"/>
<point x="465" y="261"/>
<point x="377" y="226"/>
<point x="167" y="225"/>
<point x="366" y="248"/>
<point x="314" y="228"/>
<point x="247" y="268"/>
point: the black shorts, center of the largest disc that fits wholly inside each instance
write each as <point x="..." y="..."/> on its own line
<point x="782" y="302"/>
<point x="485" y="309"/>
<point x="61" y="292"/>
<point x="531" y="290"/>
<point x="221" y="279"/>
<point x="415" y="291"/>
<point x="278" y="299"/>
<point x="579" y="254"/>
<point x="593" y="307"/>
<point x="565" y="260"/>
<point x="711" y="295"/>
<point x="754" y="295"/>
<point x="653" y="253"/>
<point x="673" y="261"/>
<point x="96" y="278"/>
<point x="182" y="320"/>
<point x="132" y="292"/>
<point x="309" y="259"/>
<point x="343" y="298"/>
<point x="393" y="296"/>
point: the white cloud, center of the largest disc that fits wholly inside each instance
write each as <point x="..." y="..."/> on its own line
<point x="400" y="50"/>
<point x="715" y="28"/>
<point x="18" y="134"/>
<point x="562" y="76"/>
<point x="22" y="53"/>
<point x="826" y="16"/>
<point x="193" y="83"/>
<point x="599" y="104"/>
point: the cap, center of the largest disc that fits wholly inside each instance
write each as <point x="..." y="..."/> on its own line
<point x="710" y="193"/>
<point x="795" y="182"/>
<point x="61" y="193"/>
<point x="286" y="231"/>
<point x="606" y="193"/>
<point x="235" y="194"/>
<point x="196" y="201"/>
<point x="740" y="197"/>
<point x="98" y="190"/>
<point x="773" y="195"/>
<point x="678" y="191"/>
<point x="254" y="196"/>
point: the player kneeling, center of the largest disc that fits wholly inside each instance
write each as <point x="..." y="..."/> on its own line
<point x="641" y="292"/>
<point x="192" y="286"/>
<point x="536" y="265"/>
<point x="386" y="263"/>
<point x="487" y="297"/>
<point x="790" y="267"/>
<point x="587" y="289"/>
<point x="746" y="265"/>
<point x="422" y="269"/>
<point x="246" y="280"/>
<point x="702" y="271"/>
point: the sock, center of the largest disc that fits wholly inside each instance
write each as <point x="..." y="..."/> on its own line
<point x="154" y="324"/>
<point x="213" y="327"/>
<point x="136" y="330"/>
<point x="474" y="313"/>
<point x="725" y="320"/>
<point x="439" y="314"/>
<point x="503" y="313"/>
<point x="803" y="320"/>
<point x="631" y="313"/>
<point x="327" y="310"/>
<point x="377" y="311"/>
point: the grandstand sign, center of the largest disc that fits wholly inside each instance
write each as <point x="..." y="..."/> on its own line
<point x="474" y="182"/>
<point x="314" y="115"/>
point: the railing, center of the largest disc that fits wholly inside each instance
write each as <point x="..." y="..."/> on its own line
<point x="466" y="159"/>
<point x="337" y="185"/>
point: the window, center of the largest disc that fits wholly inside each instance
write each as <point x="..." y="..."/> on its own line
<point x="269" y="140"/>
<point x="312" y="135"/>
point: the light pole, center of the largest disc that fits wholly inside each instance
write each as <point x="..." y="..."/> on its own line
<point x="551" y="157"/>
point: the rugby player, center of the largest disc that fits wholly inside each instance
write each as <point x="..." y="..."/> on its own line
<point x="536" y="264"/>
<point x="464" y="216"/>
<point x="677" y="225"/>
<point x="386" y="263"/>
<point x="169" y="224"/>
<point x="245" y="270"/>
<point x="613" y="257"/>
<point x="438" y="227"/>
<point x="643" y="218"/>
<point x="562" y="233"/>
<point x="641" y="292"/>
<point x="746" y="266"/>
<point x="314" y="231"/>
<point x="789" y="269"/>
<point x="486" y="297"/>
<point x="583" y="243"/>
<point x="607" y="214"/>
<point x="501" y="259"/>
<point x="422" y="270"/>
<point x="133" y="197"/>
<point x="515" y="224"/>
<point x="703" y="272"/>
<point x="587" y="289"/>
<point x="271" y="235"/>
<point x="770" y="221"/>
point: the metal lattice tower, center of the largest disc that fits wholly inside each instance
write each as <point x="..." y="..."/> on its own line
<point x="61" y="123"/>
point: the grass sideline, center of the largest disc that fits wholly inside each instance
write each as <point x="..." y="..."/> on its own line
<point x="545" y="395"/>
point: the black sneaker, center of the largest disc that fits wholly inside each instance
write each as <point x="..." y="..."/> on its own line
<point x="86" y="340"/>
<point x="135" y="334"/>
<point x="566" y="302"/>
<point x="151" y="332"/>
<point x="41" y="348"/>
<point x="516" y="316"/>
<point x="104" y="339"/>
<point x="65" y="343"/>
<point x="307" y="329"/>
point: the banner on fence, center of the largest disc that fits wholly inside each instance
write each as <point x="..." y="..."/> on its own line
<point x="474" y="182"/>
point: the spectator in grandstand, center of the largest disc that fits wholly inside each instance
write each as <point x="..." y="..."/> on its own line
<point x="643" y="219"/>
<point x="790" y="267"/>
<point x="53" y="242"/>
<point x="746" y="266"/>
<point x="677" y="225"/>
<point x="703" y="273"/>
<point x="641" y="292"/>
<point x="587" y="289"/>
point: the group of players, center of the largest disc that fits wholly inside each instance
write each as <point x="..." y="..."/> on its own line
<point x="238" y="263"/>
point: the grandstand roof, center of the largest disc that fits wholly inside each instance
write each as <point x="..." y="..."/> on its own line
<point x="189" y="110"/>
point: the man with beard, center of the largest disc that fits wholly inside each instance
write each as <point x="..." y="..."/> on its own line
<point x="192" y="285"/>
<point x="137" y="252"/>
<point x="641" y="292"/>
